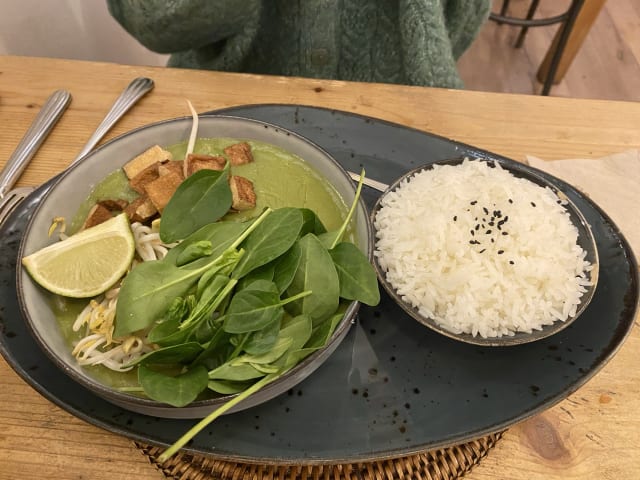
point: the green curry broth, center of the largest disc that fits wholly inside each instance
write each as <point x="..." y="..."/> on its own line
<point x="280" y="179"/>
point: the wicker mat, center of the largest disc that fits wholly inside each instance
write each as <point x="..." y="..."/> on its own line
<point x="443" y="464"/>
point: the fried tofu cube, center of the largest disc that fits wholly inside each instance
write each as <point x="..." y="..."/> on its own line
<point x="239" y="153"/>
<point x="242" y="193"/>
<point x="144" y="177"/>
<point x="114" y="205"/>
<point x="169" y="166"/>
<point x="96" y="216"/>
<point x="162" y="189"/>
<point x="146" y="158"/>
<point x="141" y="210"/>
<point x="198" y="161"/>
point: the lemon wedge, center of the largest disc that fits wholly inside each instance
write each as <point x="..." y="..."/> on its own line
<point x="85" y="264"/>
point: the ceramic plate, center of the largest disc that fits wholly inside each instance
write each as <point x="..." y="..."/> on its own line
<point x="393" y="387"/>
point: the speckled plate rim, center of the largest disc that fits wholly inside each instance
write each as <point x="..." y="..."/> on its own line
<point x="586" y="241"/>
<point x="270" y="111"/>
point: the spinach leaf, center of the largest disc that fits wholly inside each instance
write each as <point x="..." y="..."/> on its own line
<point x="220" y="234"/>
<point x="261" y="341"/>
<point x="285" y="268"/>
<point x="270" y="239"/>
<point x="311" y="223"/>
<point x="358" y="280"/>
<point x="263" y="273"/>
<point x="146" y="293"/>
<point x="174" y="354"/>
<point x="193" y="251"/>
<point x="151" y="287"/>
<point x="202" y="198"/>
<point x="252" y="310"/>
<point x="227" y="387"/>
<point x="281" y="346"/>
<point x="316" y="273"/>
<point x="235" y="372"/>
<point x="299" y="329"/>
<point x="178" y="391"/>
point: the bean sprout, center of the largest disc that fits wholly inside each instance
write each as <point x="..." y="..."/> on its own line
<point x="98" y="347"/>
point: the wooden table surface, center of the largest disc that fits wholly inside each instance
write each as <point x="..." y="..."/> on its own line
<point x="591" y="434"/>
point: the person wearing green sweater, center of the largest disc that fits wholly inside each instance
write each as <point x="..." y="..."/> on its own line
<point x="413" y="42"/>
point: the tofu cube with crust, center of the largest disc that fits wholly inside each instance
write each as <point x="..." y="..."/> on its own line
<point x="162" y="189"/>
<point x="242" y="193"/>
<point x="169" y="166"/>
<point x="145" y="176"/>
<point x="96" y="216"/>
<point x="146" y="158"/>
<point x="199" y="161"/>
<point x="114" y="205"/>
<point x="141" y="210"/>
<point x="239" y="153"/>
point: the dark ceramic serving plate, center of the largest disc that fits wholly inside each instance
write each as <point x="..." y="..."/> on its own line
<point x="393" y="387"/>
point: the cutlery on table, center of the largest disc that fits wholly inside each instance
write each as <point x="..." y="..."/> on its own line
<point x="134" y="92"/>
<point x="40" y="128"/>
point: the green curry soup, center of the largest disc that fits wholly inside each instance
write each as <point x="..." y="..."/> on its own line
<point x="280" y="179"/>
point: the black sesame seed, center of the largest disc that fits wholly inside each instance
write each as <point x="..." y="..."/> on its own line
<point x="473" y="203"/>
<point x="486" y="211"/>
<point x="477" y="227"/>
<point x="505" y="233"/>
<point x="455" y="218"/>
<point x="473" y="232"/>
<point x="492" y="240"/>
<point x="500" y="252"/>
<point x="482" y="250"/>
<point x="488" y="232"/>
<point x="491" y="224"/>
<point x="510" y="201"/>
<point x="512" y="262"/>
<point x="533" y="204"/>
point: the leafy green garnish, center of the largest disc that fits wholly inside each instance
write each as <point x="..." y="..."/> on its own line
<point x="234" y="306"/>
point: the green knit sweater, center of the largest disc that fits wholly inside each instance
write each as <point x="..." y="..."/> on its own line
<point x="415" y="42"/>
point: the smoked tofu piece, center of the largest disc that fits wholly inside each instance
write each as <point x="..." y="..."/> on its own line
<point x="242" y="193"/>
<point x="175" y="166"/>
<point x="96" y="216"/>
<point x="146" y="158"/>
<point x="198" y="161"/>
<point x="162" y="189"/>
<point x="144" y="177"/>
<point x="141" y="210"/>
<point x="239" y="153"/>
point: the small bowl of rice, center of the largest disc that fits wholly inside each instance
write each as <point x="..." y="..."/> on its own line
<point x="484" y="251"/>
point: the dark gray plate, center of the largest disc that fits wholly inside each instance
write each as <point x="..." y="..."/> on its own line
<point x="393" y="387"/>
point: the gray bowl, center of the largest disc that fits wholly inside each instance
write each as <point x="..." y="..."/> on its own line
<point x="73" y="187"/>
<point x="586" y="240"/>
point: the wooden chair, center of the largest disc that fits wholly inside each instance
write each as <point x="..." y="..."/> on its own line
<point x="575" y="24"/>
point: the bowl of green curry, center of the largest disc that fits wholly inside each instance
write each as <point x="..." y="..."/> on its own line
<point x="297" y="183"/>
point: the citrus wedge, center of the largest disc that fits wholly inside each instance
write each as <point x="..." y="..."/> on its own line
<point x="85" y="264"/>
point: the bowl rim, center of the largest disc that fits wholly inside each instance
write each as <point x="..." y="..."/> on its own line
<point x="154" y="407"/>
<point x="519" y="338"/>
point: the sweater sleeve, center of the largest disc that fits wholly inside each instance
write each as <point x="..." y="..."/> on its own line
<point x="168" y="26"/>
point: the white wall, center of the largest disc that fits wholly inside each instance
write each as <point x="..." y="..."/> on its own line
<point x="78" y="29"/>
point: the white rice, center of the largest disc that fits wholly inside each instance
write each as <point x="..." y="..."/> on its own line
<point x="514" y="267"/>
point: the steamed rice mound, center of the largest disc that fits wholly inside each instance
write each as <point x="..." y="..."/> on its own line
<point x="481" y="251"/>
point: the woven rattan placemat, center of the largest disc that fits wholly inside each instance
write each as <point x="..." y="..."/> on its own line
<point x="442" y="464"/>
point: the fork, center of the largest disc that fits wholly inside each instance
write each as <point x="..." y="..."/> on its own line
<point x="40" y="128"/>
<point x="131" y="94"/>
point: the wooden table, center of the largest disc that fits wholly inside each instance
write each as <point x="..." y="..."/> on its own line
<point x="592" y="434"/>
